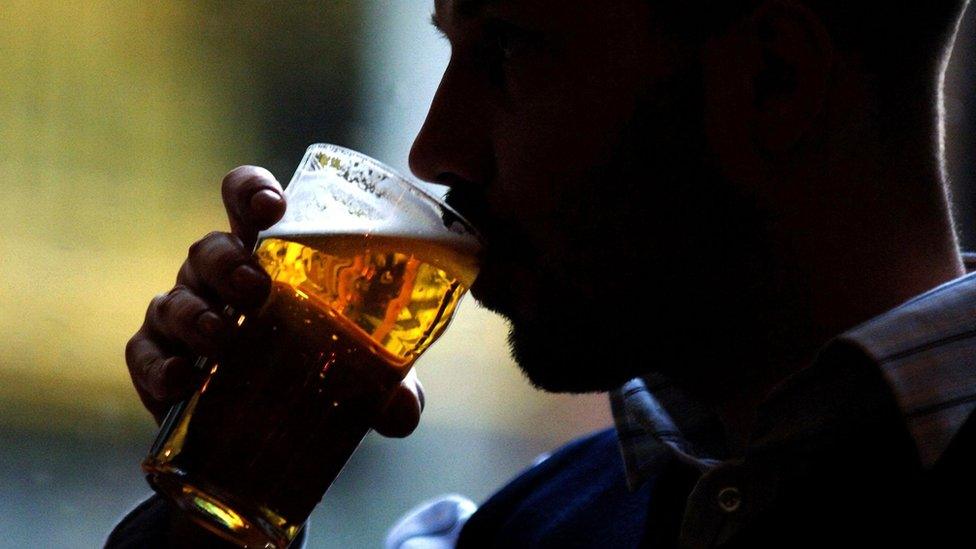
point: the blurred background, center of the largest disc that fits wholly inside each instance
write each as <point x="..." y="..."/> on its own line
<point x="117" y="120"/>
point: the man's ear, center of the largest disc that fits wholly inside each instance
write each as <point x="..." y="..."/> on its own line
<point x="767" y="78"/>
<point x="791" y="78"/>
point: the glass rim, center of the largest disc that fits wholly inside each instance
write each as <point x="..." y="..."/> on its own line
<point x="410" y="182"/>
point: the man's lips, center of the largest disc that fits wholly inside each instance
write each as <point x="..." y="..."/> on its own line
<point x="506" y="285"/>
<point x="486" y="279"/>
<point x="507" y="260"/>
<point x="470" y="203"/>
<point x="492" y="286"/>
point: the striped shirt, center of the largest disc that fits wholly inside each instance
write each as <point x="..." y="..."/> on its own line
<point x="922" y="353"/>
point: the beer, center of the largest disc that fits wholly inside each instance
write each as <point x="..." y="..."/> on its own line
<point x="250" y="454"/>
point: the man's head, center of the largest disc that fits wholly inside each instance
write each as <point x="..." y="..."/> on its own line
<point x="640" y="167"/>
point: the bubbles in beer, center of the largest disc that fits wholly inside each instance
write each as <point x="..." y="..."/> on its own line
<point x="378" y="285"/>
<point x="283" y="409"/>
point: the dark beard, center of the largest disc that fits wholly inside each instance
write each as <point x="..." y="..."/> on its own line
<point x="667" y="261"/>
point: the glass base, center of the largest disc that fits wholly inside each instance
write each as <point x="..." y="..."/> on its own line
<point x="238" y="524"/>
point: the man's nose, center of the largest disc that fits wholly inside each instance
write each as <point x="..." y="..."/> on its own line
<point x="454" y="146"/>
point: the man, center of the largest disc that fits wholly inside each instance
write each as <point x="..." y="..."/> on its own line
<point x="705" y="208"/>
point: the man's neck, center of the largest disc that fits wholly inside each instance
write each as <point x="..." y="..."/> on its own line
<point x="868" y="239"/>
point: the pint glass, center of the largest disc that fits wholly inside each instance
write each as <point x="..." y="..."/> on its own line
<point x="366" y="271"/>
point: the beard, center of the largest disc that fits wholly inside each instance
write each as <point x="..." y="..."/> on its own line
<point x="663" y="263"/>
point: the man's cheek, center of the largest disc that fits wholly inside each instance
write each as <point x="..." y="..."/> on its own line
<point x="531" y="217"/>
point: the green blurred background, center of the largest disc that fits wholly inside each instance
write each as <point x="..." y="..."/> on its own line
<point x="117" y="120"/>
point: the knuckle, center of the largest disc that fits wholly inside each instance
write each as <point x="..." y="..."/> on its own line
<point x="141" y="360"/>
<point x="187" y="275"/>
<point x="198" y="247"/>
<point x="152" y="312"/>
<point x="215" y="254"/>
<point x="130" y="349"/>
<point x="167" y="302"/>
<point x="172" y="306"/>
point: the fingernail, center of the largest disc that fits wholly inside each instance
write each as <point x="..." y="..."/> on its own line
<point x="210" y="324"/>
<point x="247" y="279"/>
<point x="421" y="397"/>
<point x="264" y="200"/>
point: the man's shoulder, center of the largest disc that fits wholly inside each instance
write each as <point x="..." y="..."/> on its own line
<point x="577" y="496"/>
<point x="595" y="457"/>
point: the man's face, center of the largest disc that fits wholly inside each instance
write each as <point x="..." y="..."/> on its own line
<point x="571" y="135"/>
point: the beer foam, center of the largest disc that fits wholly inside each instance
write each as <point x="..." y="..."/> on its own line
<point x="372" y="207"/>
<point x="323" y="202"/>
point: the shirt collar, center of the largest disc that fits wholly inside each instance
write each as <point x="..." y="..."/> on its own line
<point x="649" y="435"/>
<point x="926" y="349"/>
<point x="923" y="351"/>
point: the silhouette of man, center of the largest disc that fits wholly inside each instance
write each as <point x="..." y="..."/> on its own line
<point x="714" y="211"/>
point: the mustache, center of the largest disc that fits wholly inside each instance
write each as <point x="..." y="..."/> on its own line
<point x="502" y="236"/>
<point x="470" y="205"/>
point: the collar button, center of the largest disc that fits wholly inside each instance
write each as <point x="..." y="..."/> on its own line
<point x="729" y="499"/>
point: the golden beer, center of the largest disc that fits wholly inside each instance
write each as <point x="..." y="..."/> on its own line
<point x="251" y="453"/>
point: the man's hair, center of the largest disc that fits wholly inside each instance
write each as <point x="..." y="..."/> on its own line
<point x="889" y="36"/>
<point x="892" y="35"/>
<point x="899" y="44"/>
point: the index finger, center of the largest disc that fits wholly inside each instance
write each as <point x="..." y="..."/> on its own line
<point x="254" y="201"/>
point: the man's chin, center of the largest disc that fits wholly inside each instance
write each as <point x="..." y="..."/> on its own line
<point x="566" y="364"/>
<point x="557" y="347"/>
<point x="506" y="288"/>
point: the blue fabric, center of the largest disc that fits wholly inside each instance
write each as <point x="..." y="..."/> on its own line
<point x="579" y="497"/>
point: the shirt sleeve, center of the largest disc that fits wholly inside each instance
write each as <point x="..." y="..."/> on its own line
<point x="146" y="527"/>
<point x="434" y="524"/>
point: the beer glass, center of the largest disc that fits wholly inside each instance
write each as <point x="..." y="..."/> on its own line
<point x="366" y="271"/>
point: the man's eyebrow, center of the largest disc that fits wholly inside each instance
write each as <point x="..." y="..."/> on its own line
<point x="464" y="8"/>
<point x="470" y="8"/>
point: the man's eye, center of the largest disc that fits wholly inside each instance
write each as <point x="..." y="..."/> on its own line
<point x="502" y="44"/>
<point x="506" y="44"/>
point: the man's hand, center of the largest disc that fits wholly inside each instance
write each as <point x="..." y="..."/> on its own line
<point x="188" y="321"/>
